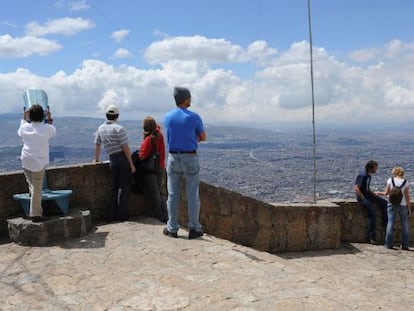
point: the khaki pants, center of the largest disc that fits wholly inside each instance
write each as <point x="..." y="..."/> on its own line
<point x="35" y="183"/>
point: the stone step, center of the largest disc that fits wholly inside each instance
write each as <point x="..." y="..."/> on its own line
<point x="56" y="228"/>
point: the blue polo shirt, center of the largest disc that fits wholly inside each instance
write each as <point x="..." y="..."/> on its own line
<point x="183" y="128"/>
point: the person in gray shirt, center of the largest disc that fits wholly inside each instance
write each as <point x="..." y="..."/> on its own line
<point x="114" y="139"/>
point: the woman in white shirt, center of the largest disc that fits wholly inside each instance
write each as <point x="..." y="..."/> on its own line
<point x="35" y="154"/>
<point x="403" y="208"/>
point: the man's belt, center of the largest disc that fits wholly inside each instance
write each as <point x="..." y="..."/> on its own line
<point x="178" y="152"/>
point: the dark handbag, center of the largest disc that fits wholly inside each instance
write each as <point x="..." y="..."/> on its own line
<point x="137" y="179"/>
<point x="151" y="164"/>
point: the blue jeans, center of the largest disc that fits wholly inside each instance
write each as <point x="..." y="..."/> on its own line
<point x="392" y="212"/>
<point x="179" y="166"/>
<point x="370" y="204"/>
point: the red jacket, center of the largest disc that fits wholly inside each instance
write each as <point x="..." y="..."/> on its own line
<point x="146" y="147"/>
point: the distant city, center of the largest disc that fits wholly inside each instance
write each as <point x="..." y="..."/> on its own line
<point x="271" y="166"/>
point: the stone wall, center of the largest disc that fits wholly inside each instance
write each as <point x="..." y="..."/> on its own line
<point x="268" y="227"/>
<point x="354" y="223"/>
<point x="224" y="213"/>
<point x="91" y="185"/>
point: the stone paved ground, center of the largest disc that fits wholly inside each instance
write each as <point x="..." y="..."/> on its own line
<point x="132" y="266"/>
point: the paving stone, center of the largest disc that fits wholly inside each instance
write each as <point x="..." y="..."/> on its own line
<point x="133" y="266"/>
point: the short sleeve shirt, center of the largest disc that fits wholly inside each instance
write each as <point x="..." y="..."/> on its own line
<point x="183" y="128"/>
<point x="363" y="180"/>
<point x="112" y="136"/>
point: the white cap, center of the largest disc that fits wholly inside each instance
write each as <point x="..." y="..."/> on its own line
<point x="112" y="109"/>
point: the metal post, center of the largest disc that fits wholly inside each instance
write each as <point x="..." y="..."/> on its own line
<point x="313" y="102"/>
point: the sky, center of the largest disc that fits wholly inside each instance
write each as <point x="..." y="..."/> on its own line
<point x="246" y="62"/>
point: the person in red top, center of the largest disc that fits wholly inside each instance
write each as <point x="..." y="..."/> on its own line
<point x="152" y="181"/>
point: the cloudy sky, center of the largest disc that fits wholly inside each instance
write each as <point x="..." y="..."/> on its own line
<point x="246" y="62"/>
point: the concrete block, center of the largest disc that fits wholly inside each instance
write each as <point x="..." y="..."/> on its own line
<point x="57" y="228"/>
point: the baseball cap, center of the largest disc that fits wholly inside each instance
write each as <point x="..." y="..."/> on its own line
<point x="112" y="109"/>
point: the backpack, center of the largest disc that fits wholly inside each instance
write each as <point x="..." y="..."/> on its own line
<point x="396" y="194"/>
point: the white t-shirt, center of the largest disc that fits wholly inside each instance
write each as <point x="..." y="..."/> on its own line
<point x="398" y="182"/>
<point x="35" y="151"/>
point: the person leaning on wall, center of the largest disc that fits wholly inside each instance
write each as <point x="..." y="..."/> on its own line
<point x="114" y="139"/>
<point x="153" y="142"/>
<point x="370" y="200"/>
<point x="403" y="208"/>
<point x="35" y="134"/>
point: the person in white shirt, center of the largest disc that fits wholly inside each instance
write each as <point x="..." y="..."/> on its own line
<point x="35" y="134"/>
<point x="402" y="208"/>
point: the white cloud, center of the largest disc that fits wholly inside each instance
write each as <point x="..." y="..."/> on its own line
<point x="7" y="23"/>
<point x="278" y="93"/>
<point x="66" y="26"/>
<point x="394" y="48"/>
<point x="364" y="55"/>
<point x="109" y="97"/>
<point x="78" y="5"/>
<point x="261" y="52"/>
<point x="26" y="46"/>
<point x="197" y="48"/>
<point x="122" y="53"/>
<point x="120" y="35"/>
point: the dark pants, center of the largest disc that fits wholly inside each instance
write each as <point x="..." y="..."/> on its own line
<point x="118" y="209"/>
<point x="371" y="203"/>
<point x="152" y="191"/>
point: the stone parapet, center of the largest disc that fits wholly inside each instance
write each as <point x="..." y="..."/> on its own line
<point x="268" y="227"/>
<point x="226" y="214"/>
<point x="91" y="185"/>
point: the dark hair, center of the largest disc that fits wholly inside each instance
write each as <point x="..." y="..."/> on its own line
<point x="36" y="113"/>
<point x="112" y="117"/>
<point x="370" y="165"/>
<point x="181" y="94"/>
<point x="150" y="126"/>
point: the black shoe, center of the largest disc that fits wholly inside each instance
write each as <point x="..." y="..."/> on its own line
<point x="373" y="241"/>
<point x="38" y="218"/>
<point x="194" y="234"/>
<point x="168" y="233"/>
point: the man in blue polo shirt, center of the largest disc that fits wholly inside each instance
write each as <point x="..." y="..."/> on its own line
<point x="184" y="130"/>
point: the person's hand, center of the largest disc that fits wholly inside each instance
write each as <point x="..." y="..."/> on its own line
<point x="26" y="114"/>
<point x="133" y="169"/>
<point x="49" y="115"/>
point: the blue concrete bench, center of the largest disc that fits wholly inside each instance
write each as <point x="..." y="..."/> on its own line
<point x="61" y="197"/>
